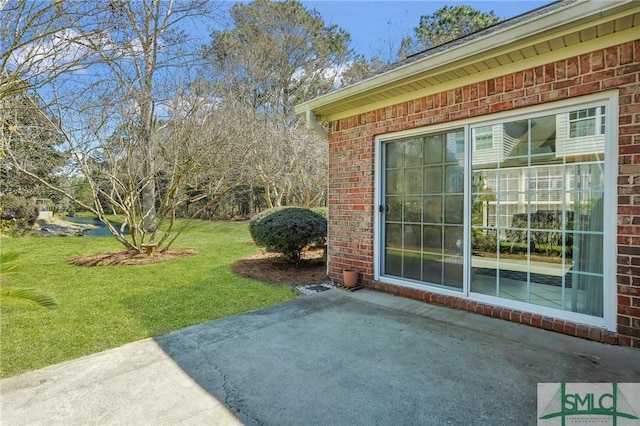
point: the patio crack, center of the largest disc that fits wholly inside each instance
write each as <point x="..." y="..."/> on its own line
<point x="231" y="400"/>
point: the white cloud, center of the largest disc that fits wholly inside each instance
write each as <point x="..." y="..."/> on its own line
<point x="69" y="50"/>
<point x="61" y="50"/>
<point x="333" y="73"/>
<point x="185" y="106"/>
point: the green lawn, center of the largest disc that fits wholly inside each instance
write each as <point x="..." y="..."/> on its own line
<point x="104" y="307"/>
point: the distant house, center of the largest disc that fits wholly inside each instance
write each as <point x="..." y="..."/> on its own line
<point x="499" y="173"/>
<point x="44" y="208"/>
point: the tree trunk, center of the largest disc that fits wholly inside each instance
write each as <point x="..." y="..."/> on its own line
<point x="149" y="206"/>
<point x="251" y="209"/>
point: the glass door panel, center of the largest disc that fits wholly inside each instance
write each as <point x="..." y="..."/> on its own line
<point x="423" y="211"/>
<point x="537" y="214"/>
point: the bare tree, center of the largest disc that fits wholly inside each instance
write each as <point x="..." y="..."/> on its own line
<point x="309" y="171"/>
<point x="38" y="42"/>
<point x="130" y="117"/>
<point x="276" y="55"/>
<point x="31" y="131"/>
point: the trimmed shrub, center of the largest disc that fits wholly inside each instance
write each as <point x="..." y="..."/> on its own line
<point x="16" y="212"/>
<point x="288" y="230"/>
<point x="17" y="207"/>
<point x="323" y="211"/>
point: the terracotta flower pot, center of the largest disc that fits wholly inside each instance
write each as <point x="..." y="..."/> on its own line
<point x="350" y="277"/>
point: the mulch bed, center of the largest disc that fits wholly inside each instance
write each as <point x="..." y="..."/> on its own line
<point x="273" y="268"/>
<point x="129" y="258"/>
<point x="263" y="266"/>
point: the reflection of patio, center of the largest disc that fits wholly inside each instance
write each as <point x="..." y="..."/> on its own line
<point x="545" y="286"/>
<point x="535" y="282"/>
<point x="550" y="296"/>
<point x="536" y="267"/>
<point x="538" y="294"/>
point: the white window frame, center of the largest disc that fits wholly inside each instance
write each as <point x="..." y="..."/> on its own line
<point x="597" y="118"/>
<point x="482" y="138"/>
<point x="608" y="99"/>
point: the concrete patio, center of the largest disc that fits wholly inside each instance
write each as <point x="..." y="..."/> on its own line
<point x="330" y="358"/>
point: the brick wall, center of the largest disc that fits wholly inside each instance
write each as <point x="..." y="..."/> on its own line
<point x="351" y="168"/>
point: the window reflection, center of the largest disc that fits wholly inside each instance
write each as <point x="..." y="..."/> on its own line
<point x="537" y="210"/>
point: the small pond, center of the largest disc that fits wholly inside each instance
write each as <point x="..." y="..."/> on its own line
<point x="100" y="231"/>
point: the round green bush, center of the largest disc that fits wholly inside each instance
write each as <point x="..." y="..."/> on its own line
<point x="288" y="230"/>
<point x="16" y="207"/>
<point x="324" y="211"/>
<point x="16" y="213"/>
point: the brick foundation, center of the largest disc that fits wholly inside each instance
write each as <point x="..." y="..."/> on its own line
<point x="553" y="324"/>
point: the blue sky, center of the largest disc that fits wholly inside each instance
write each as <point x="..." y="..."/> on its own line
<point x="377" y="25"/>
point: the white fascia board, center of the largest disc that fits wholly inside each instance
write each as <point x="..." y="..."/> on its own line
<point x="572" y="14"/>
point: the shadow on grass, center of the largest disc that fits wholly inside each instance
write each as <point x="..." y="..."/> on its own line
<point x="171" y="308"/>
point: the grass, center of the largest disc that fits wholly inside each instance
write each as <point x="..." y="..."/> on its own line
<point x="105" y="307"/>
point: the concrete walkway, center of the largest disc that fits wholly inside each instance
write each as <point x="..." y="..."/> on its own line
<point x="332" y="358"/>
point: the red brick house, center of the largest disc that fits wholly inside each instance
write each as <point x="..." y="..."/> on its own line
<point x="499" y="173"/>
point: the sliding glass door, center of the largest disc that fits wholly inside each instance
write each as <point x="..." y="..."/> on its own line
<point x="537" y="210"/>
<point x="530" y="227"/>
<point x="423" y="209"/>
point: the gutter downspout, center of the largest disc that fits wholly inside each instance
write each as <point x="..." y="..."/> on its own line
<point x="312" y="124"/>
